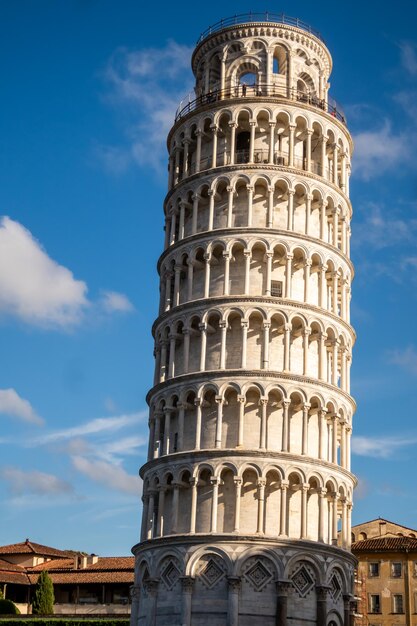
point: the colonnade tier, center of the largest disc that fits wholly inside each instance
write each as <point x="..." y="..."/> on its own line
<point x="243" y="496"/>
<point x="275" y="203"/>
<point x="256" y="268"/>
<point x="252" y="134"/>
<point x="231" y="416"/>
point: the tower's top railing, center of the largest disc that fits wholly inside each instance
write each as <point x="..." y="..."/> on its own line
<point x="248" y="18"/>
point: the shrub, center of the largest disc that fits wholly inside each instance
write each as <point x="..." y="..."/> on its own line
<point x="43" y="603"/>
<point x="7" y="607"/>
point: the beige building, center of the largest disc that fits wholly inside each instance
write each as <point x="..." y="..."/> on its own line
<point x="83" y="584"/>
<point x="248" y="476"/>
<point x="387" y="574"/>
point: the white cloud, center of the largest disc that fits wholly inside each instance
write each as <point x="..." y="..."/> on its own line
<point x="409" y="58"/>
<point x="372" y="158"/>
<point x="381" y="447"/>
<point x="382" y="228"/>
<point x="112" y="301"/>
<point x="113" y="450"/>
<point x="12" y="404"/>
<point x="93" y="427"/>
<point x="406" y="358"/>
<point x="34" y="287"/>
<point x="107" y="474"/>
<point x="149" y="85"/>
<point x="34" y="482"/>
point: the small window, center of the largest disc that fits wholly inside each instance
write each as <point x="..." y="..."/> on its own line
<point x="374" y="603"/>
<point x="397" y="603"/>
<point x="396" y="570"/>
<point x="276" y="288"/>
<point x="373" y="570"/>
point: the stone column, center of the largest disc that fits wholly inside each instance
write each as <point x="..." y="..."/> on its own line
<point x="335" y="498"/>
<point x="248" y="257"/>
<point x="223" y="330"/>
<point x="308" y="150"/>
<point x="203" y="331"/>
<point x="306" y="335"/>
<point x="282" y="602"/>
<point x="151" y="588"/>
<point x="321" y="605"/>
<point x="270" y="217"/>
<point x="219" y="422"/>
<point x="168" y="302"/>
<point x="156" y="448"/>
<point x="250" y="203"/>
<point x="334" y="437"/>
<point x="175" y="507"/>
<point x="271" y="142"/>
<point x="335" y="347"/>
<point x="238" y="489"/>
<point x="290" y="215"/>
<point x="292" y="128"/>
<point x="199" y="134"/>
<point x="335" y="159"/>
<point x="261" y="506"/>
<point x="269" y="256"/>
<point x="304" y="497"/>
<point x="171" y="365"/>
<point x="226" y="256"/>
<point x="173" y="227"/>
<point x="285" y="424"/>
<point x="232" y="126"/>
<point x="135" y="598"/>
<point x="309" y="199"/>
<point x="230" y="192"/>
<point x="182" y="217"/>
<point x="196" y="198"/>
<point x="323" y="286"/>
<point x="233" y="600"/>
<point x="304" y="436"/>
<point x="145" y="516"/>
<point x="323" y="155"/>
<point x="265" y="360"/>
<point x="283" y="530"/>
<point x="207" y="275"/>
<point x="264" y="423"/>
<point x="151" y="445"/>
<point x="214" y="145"/>
<point x="211" y="195"/>
<point x="198" y="403"/>
<point x="186" y="361"/>
<point x="245" y="326"/>
<point x="187" y="583"/>
<point x="167" y="429"/>
<point x="190" y="277"/>
<point x="322" y="431"/>
<point x="214" y="503"/>
<point x="161" y="511"/>
<point x="336" y="227"/>
<point x="323" y="221"/>
<point x="151" y="513"/>
<point x="252" y="141"/>
<point x="287" y="339"/>
<point x="347" y="621"/>
<point x="193" y="514"/>
<point x="322" y="494"/>
<point x="322" y="357"/>
<point x="288" y="276"/>
<point x="307" y="269"/>
<point x="181" y="413"/>
<point x="241" y="400"/>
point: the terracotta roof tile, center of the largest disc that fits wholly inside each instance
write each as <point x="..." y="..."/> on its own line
<point x="385" y="543"/>
<point x="29" y="547"/>
<point x="13" y="567"/>
<point x="85" y="576"/>
<point x="113" y="563"/>
<point x="53" y="565"/>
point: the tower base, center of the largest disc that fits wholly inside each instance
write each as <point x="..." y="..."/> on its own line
<point x="227" y="580"/>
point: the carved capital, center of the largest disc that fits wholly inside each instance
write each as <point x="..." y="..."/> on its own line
<point x="187" y="583"/>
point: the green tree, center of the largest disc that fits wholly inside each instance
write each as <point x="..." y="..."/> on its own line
<point x="43" y="603"/>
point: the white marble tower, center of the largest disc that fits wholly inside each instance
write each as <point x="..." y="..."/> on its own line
<point x="247" y="491"/>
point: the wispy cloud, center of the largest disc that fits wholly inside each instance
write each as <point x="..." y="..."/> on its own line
<point x="371" y="155"/>
<point x="93" y="427"/>
<point x="113" y="301"/>
<point x="34" y="287"/>
<point x="11" y="404"/>
<point x="406" y="358"/>
<point x="382" y="447"/>
<point x="409" y="57"/>
<point x="33" y="482"/>
<point x="381" y="228"/>
<point x="107" y="474"/>
<point x="148" y="85"/>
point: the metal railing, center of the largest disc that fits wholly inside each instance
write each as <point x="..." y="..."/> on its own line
<point x="250" y="18"/>
<point x="260" y="90"/>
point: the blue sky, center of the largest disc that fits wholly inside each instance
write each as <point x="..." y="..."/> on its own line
<point x="88" y="92"/>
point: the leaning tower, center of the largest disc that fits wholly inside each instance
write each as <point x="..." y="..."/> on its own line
<point x="247" y="490"/>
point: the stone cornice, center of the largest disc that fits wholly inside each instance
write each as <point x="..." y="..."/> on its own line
<point x="242" y="167"/>
<point x="198" y="456"/>
<point x="228" y="375"/>
<point x="205" y="304"/>
<point x="232" y="233"/>
<point x="206" y="539"/>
